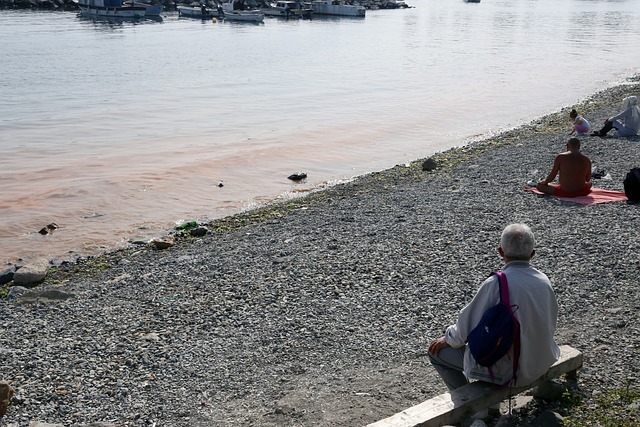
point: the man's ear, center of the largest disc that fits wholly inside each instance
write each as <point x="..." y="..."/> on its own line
<point x="533" y="253"/>
<point x="500" y="251"/>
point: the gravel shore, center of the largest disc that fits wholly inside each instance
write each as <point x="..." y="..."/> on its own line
<point x="318" y="311"/>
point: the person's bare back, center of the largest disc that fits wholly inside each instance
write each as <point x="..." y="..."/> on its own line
<point x="575" y="172"/>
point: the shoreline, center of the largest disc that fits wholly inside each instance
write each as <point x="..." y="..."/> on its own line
<point x="444" y="159"/>
<point x="318" y="310"/>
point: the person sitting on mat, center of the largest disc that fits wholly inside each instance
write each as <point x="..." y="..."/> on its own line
<point x="626" y="123"/>
<point x="575" y="173"/>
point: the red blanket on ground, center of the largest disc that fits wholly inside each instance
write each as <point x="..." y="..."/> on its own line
<point x="597" y="195"/>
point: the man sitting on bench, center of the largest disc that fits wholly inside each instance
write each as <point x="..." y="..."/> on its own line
<point x="537" y="311"/>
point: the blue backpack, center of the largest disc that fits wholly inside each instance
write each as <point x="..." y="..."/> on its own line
<point x="497" y="332"/>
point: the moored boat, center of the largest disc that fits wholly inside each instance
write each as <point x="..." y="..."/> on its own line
<point x="237" y="10"/>
<point x="336" y="7"/>
<point x="199" y="12"/>
<point x="111" y="8"/>
<point x="244" y="16"/>
<point x="288" y="9"/>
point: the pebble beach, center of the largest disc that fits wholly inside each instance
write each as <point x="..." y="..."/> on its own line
<point x="318" y="311"/>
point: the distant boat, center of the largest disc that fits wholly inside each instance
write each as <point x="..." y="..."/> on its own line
<point x="472" y="1"/>
<point x="199" y="12"/>
<point x="110" y="8"/>
<point x="236" y="10"/>
<point x="336" y="7"/>
<point x="288" y="9"/>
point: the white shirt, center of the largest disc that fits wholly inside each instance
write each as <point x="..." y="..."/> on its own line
<point x="630" y="117"/>
<point x="537" y="313"/>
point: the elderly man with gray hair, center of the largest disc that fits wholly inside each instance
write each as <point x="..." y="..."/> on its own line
<point x="537" y="311"/>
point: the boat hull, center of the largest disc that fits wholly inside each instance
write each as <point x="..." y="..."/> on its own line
<point x="328" y="8"/>
<point x="151" y="9"/>
<point x="244" y="16"/>
<point x="126" y="12"/>
<point x="196" y="12"/>
<point x="291" y="14"/>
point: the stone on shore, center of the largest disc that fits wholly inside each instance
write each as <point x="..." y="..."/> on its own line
<point x="429" y="165"/>
<point x="298" y="176"/>
<point x="16" y="291"/>
<point x="44" y="296"/>
<point x="199" y="231"/>
<point x="32" y="273"/>
<point x="548" y="419"/>
<point x="6" y="275"/>
<point x="549" y="390"/>
<point x="164" y="242"/>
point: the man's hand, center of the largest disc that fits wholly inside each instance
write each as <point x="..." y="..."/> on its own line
<point x="436" y="345"/>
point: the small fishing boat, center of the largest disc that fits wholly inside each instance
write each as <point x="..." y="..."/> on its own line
<point x="288" y="9"/>
<point x="237" y="10"/>
<point x="199" y="12"/>
<point x="244" y="15"/>
<point x="337" y="7"/>
<point x="110" y="8"/>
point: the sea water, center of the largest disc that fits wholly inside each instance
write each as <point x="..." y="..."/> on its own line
<point x="119" y="130"/>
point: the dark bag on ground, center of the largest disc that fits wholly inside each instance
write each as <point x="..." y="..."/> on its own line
<point x="497" y="331"/>
<point x="632" y="185"/>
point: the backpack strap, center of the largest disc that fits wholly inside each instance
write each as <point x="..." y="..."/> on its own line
<point x="504" y="299"/>
<point x="504" y="288"/>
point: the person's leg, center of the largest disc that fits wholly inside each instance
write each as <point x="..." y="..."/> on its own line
<point x="546" y="188"/>
<point x="581" y="128"/>
<point x="606" y="128"/>
<point x="449" y="364"/>
<point x="577" y="193"/>
<point x="623" y="130"/>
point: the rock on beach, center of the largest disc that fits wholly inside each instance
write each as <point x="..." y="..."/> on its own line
<point x="318" y="311"/>
<point x="31" y="273"/>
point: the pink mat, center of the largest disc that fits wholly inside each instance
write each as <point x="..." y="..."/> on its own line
<point x="597" y="195"/>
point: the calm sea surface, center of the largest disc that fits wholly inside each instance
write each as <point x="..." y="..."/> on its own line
<point x="115" y="130"/>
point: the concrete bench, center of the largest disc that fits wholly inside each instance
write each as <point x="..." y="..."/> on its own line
<point x="461" y="403"/>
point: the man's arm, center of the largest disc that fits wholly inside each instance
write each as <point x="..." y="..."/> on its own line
<point x="469" y="316"/>
<point x="621" y="116"/>
<point x="554" y="171"/>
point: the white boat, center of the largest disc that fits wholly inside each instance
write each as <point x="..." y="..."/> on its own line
<point x="199" y="12"/>
<point x="288" y="9"/>
<point x="336" y="7"/>
<point x="110" y="8"/>
<point x="244" y="15"/>
<point x="237" y="10"/>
